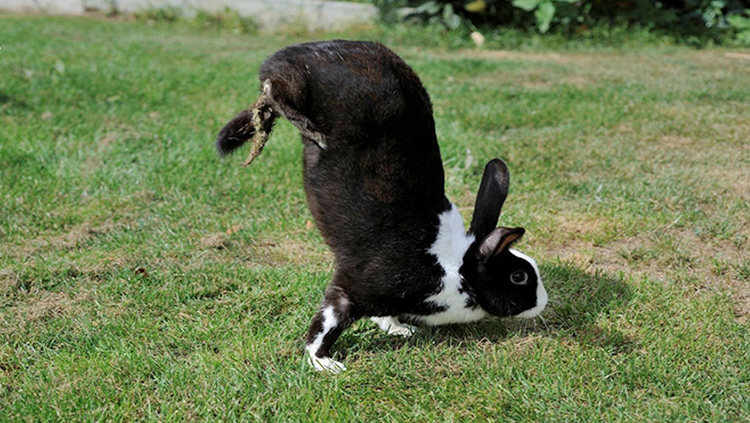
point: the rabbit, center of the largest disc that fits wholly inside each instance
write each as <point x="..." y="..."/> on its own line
<point x="374" y="183"/>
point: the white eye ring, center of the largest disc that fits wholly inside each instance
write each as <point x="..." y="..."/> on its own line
<point x="519" y="277"/>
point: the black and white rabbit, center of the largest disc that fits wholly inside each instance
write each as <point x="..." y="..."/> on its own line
<point x="375" y="186"/>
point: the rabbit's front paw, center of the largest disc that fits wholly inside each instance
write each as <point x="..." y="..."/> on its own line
<point x="326" y="364"/>
<point x="392" y="326"/>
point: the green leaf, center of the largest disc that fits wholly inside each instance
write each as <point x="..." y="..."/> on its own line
<point x="475" y="6"/>
<point x="450" y="18"/>
<point x="430" y="7"/>
<point x="527" y="5"/>
<point x="544" y="14"/>
<point x="454" y="22"/>
<point x="738" y="22"/>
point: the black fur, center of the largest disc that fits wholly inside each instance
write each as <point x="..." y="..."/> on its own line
<point x="235" y="133"/>
<point x="374" y="182"/>
<point x="490" y="198"/>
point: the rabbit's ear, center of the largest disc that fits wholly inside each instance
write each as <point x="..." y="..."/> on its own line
<point x="498" y="240"/>
<point x="490" y="198"/>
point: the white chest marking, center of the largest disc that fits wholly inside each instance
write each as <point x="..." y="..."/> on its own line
<point x="449" y="248"/>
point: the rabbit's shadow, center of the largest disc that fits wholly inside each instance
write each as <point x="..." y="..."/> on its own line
<point x="578" y="299"/>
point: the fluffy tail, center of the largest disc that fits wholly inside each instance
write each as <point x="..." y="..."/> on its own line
<point x="277" y="99"/>
<point x="235" y="133"/>
<point x="255" y="122"/>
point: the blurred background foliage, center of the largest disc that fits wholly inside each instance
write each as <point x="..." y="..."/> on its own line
<point x="722" y="21"/>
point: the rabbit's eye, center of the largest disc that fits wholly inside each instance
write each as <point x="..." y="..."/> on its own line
<point x="519" y="277"/>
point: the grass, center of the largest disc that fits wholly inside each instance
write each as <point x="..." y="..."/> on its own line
<point x="143" y="278"/>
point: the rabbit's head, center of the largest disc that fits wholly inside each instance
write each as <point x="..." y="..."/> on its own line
<point x="504" y="281"/>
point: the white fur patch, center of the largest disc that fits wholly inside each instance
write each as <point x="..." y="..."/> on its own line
<point x="324" y="363"/>
<point x="392" y="326"/>
<point x="449" y="248"/>
<point x="541" y="293"/>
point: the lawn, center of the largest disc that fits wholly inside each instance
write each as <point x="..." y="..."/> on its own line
<point x="141" y="277"/>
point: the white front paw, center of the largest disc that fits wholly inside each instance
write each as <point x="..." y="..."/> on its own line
<point x="326" y="364"/>
<point x="402" y="330"/>
<point x="392" y="326"/>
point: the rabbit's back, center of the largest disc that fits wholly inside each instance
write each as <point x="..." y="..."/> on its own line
<point x="353" y="91"/>
<point x="377" y="186"/>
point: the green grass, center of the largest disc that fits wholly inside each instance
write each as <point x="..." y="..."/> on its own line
<point x="143" y="278"/>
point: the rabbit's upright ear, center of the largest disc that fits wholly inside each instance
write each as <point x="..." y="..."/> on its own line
<point x="490" y="198"/>
<point x="498" y="240"/>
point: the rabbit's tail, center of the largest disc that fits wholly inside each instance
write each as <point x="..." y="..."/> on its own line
<point x="255" y="122"/>
<point x="279" y="97"/>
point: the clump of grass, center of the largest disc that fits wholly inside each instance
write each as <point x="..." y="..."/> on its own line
<point x="153" y="15"/>
<point x="226" y="20"/>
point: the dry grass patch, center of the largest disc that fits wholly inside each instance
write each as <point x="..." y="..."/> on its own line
<point x="295" y="248"/>
<point x="674" y="255"/>
<point x="9" y="281"/>
<point x="735" y="179"/>
<point x="491" y="55"/>
<point x="41" y="306"/>
<point x="75" y="237"/>
<point x="288" y="250"/>
<point x="217" y="241"/>
<point x="532" y="79"/>
<point x="78" y="235"/>
<point x="50" y="304"/>
<point x="597" y="68"/>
